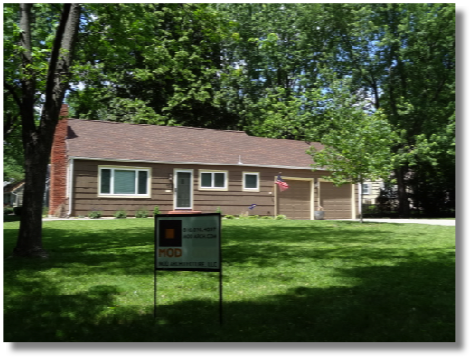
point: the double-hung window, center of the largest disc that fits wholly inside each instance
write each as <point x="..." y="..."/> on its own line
<point x="251" y="181"/>
<point x="213" y="180"/>
<point x="124" y="182"/>
<point x="366" y="189"/>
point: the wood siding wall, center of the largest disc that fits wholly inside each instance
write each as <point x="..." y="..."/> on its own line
<point x="234" y="201"/>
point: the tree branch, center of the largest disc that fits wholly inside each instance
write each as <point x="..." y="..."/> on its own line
<point x="28" y="83"/>
<point x="10" y="124"/>
<point x="53" y="65"/>
<point x="13" y="91"/>
<point x="59" y="65"/>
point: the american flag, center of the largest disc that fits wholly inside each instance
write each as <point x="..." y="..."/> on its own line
<point x="283" y="186"/>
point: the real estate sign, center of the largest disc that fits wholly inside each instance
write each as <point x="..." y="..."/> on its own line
<point x="188" y="242"/>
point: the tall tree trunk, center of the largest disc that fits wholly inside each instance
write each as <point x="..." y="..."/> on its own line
<point x="403" y="203"/>
<point x="37" y="140"/>
<point x="29" y="241"/>
<point x="361" y="201"/>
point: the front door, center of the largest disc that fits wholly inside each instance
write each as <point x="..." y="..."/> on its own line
<point x="183" y="189"/>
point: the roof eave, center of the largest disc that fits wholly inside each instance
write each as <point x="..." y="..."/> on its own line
<point x="195" y="163"/>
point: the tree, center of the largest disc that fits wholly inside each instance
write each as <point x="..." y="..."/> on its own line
<point x="36" y="74"/>
<point x="403" y="56"/>
<point x="271" y="63"/>
<point x="357" y="143"/>
<point x="151" y="63"/>
<point x="419" y="98"/>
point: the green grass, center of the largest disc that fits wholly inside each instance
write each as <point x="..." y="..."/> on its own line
<point x="325" y="281"/>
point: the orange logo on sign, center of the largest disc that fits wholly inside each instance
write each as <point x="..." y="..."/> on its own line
<point x="170" y="252"/>
<point x="170" y="233"/>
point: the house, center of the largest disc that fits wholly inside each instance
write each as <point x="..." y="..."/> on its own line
<point x="110" y="166"/>
<point x="13" y="193"/>
<point x="370" y="191"/>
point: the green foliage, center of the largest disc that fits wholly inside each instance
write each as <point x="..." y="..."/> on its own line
<point x="151" y="67"/>
<point x="13" y="158"/>
<point x="280" y="217"/>
<point x="253" y="217"/>
<point x="357" y="144"/>
<point x="7" y="210"/>
<point x="142" y="213"/>
<point x="95" y="214"/>
<point x="269" y="69"/>
<point x="120" y="214"/>
<point x="229" y="217"/>
<point x="157" y="211"/>
<point x="266" y="217"/>
<point x="218" y="210"/>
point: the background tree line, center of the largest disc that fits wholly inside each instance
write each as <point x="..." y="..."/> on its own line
<point x="273" y="70"/>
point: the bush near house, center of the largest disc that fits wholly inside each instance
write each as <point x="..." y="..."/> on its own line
<point x="121" y="214"/>
<point x="7" y="210"/>
<point x="95" y="214"/>
<point x="142" y="213"/>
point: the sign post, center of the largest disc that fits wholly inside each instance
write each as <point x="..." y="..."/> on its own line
<point x="188" y="242"/>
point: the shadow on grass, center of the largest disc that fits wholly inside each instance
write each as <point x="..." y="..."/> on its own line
<point x="10" y="218"/>
<point x="411" y="302"/>
<point x="130" y="250"/>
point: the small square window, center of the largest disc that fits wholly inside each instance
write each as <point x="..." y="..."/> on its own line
<point x="251" y="181"/>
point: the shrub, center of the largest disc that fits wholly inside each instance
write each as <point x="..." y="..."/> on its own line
<point x="156" y="210"/>
<point x="266" y="218"/>
<point x="372" y="209"/>
<point x="230" y="217"/>
<point x="280" y="217"/>
<point x="17" y="210"/>
<point x="121" y="214"/>
<point x="253" y="217"/>
<point x="95" y="214"/>
<point x="218" y="210"/>
<point x="7" y="210"/>
<point x="142" y="214"/>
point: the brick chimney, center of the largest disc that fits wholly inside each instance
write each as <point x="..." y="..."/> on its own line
<point x="59" y="167"/>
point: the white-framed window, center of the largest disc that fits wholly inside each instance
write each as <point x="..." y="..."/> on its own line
<point x="117" y="181"/>
<point x="251" y="181"/>
<point x="213" y="180"/>
<point x="366" y="189"/>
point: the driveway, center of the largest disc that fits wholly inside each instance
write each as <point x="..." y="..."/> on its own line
<point x="413" y="221"/>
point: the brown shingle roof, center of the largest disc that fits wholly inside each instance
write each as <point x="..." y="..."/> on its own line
<point x="123" y="141"/>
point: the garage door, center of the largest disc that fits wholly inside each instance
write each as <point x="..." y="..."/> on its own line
<point x="336" y="200"/>
<point x="295" y="202"/>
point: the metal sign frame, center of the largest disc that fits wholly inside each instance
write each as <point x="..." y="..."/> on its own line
<point x="170" y="233"/>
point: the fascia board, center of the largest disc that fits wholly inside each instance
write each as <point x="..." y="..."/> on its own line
<point x="193" y="163"/>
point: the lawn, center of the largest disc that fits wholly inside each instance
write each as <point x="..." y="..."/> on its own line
<point x="283" y="280"/>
